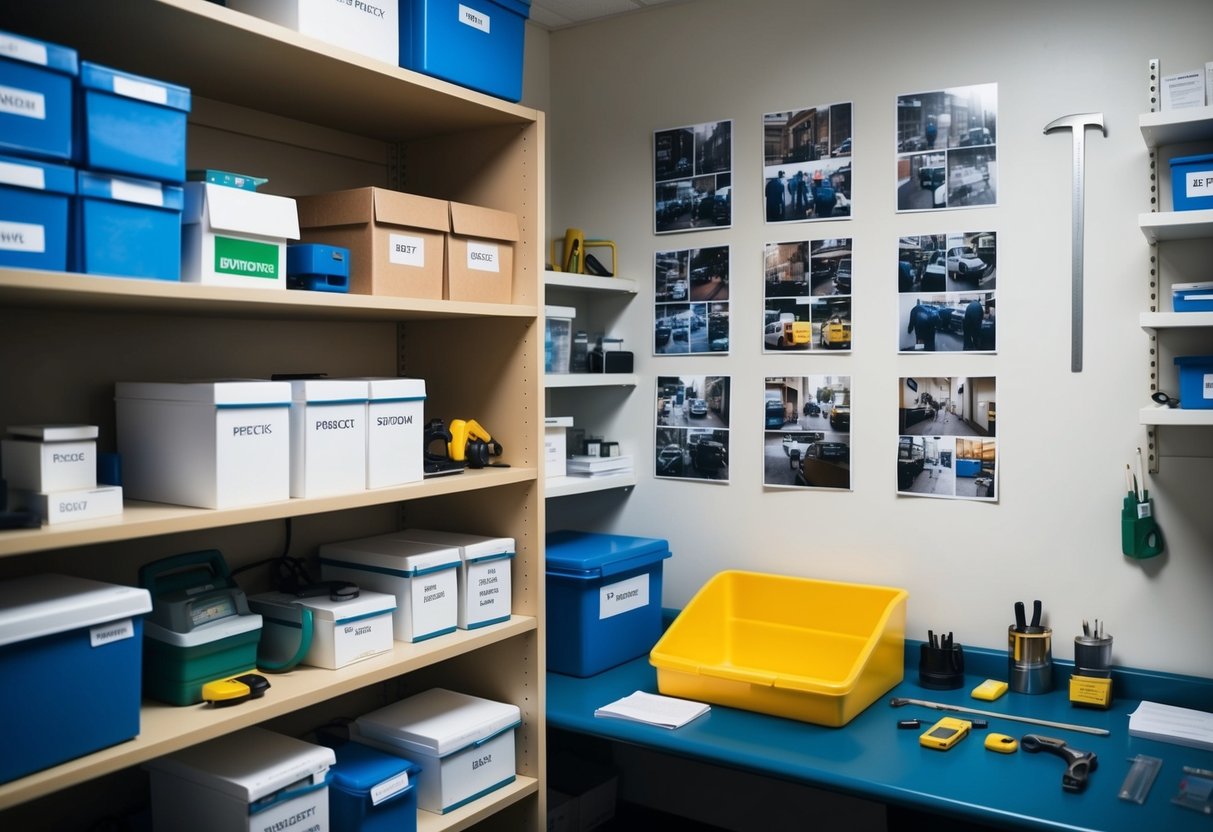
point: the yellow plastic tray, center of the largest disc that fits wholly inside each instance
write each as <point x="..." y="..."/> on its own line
<point x="816" y="651"/>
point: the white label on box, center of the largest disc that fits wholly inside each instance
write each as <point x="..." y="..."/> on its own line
<point x="19" y="102"/>
<point x="488" y="590"/>
<point x="22" y="50"/>
<point x="1209" y="385"/>
<point x="1200" y="184"/>
<point x="22" y="236"/>
<point x="124" y="190"/>
<point x="306" y="812"/>
<point x="363" y="638"/>
<point x="113" y="631"/>
<point x="404" y="250"/>
<point x="623" y="596"/>
<point x="389" y="788"/>
<point x="484" y="257"/>
<point x="473" y="18"/>
<point x="142" y="90"/>
<point x="27" y="176"/>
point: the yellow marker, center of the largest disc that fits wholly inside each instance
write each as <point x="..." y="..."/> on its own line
<point x="989" y="690"/>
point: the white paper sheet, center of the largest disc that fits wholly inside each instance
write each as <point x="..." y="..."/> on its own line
<point x="663" y="711"/>
<point x="1167" y="723"/>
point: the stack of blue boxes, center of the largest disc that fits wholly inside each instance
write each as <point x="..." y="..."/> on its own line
<point x="91" y="165"/>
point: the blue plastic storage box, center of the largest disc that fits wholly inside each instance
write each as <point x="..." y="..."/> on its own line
<point x="130" y="124"/>
<point x="70" y="655"/>
<point x="127" y="227"/>
<point x="372" y="791"/>
<point x="1192" y="297"/>
<point x="317" y="267"/>
<point x="1192" y="182"/>
<point x="605" y="592"/>
<point x="475" y="43"/>
<point x="36" y="97"/>
<point x="35" y="198"/>
<point x="1195" y="381"/>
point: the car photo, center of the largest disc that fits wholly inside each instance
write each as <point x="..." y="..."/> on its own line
<point x="930" y="176"/>
<point x="829" y="451"/>
<point x="934" y="276"/>
<point x="783" y="335"/>
<point x="774" y="414"/>
<point x="669" y="461"/>
<point x="678" y="290"/>
<point x="709" y="457"/>
<point x="698" y="408"/>
<point x="661" y="336"/>
<point x="842" y="277"/>
<point x="836" y="333"/>
<point x="840" y="417"/>
<point x="843" y="149"/>
<point x="795" y="444"/>
<point x="965" y="263"/>
<point x="976" y="137"/>
<point x="812" y="409"/>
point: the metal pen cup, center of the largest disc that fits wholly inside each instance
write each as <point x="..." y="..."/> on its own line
<point x="1030" y="659"/>
<point x="1093" y="656"/>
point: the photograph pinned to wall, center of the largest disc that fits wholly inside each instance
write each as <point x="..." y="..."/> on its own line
<point x="807" y="432"/>
<point x="807" y="295"/>
<point x="693" y="427"/>
<point x="946" y="292"/>
<point x="947" y="143"/>
<point x="806" y="164"/>
<point x="693" y="177"/>
<point x="691" y="301"/>
<point x="946" y="445"/>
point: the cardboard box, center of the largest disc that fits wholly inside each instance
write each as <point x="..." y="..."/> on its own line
<point x="50" y="457"/>
<point x="397" y="241"/>
<point x="35" y="198"/>
<point x="343" y="632"/>
<point x="328" y="436"/>
<point x="220" y="444"/>
<point x="485" y="586"/>
<point x="235" y="237"/>
<point x="37" y="78"/>
<point x="395" y="431"/>
<point x="126" y="227"/>
<point x="371" y="28"/>
<point x="480" y="254"/>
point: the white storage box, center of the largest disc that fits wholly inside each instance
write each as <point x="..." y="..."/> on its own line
<point x="343" y="632"/>
<point x="464" y="744"/>
<point x="235" y="237"/>
<point x="423" y="577"/>
<point x="70" y="506"/>
<point x="252" y="780"/>
<point x="484" y="573"/>
<point x="370" y="28"/>
<point x="217" y="444"/>
<point x="395" y="431"/>
<point x="328" y="437"/>
<point x="555" y="445"/>
<point x="50" y="458"/>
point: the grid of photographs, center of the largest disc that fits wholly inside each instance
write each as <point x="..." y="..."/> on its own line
<point x="691" y="301"/>
<point x="807" y="295"/>
<point x="947" y="148"/>
<point x="946" y="445"/>
<point x="946" y="286"/>
<point x="693" y="177"/>
<point x="806" y="166"/>
<point x="693" y="428"/>
<point x="807" y="432"/>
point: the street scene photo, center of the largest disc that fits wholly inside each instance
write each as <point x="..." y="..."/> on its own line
<point x="806" y="166"/>
<point x="947" y="148"/>
<point x="691" y="301"/>
<point x="807" y="432"/>
<point x="693" y="427"/>
<point x="693" y="177"/>
<point x="946" y="445"/>
<point x="946" y="292"/>
<point x="807" y="296"/>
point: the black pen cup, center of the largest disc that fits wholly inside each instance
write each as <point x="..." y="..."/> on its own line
<point x="1093" y="656"/>
<point x="941" y="668"/>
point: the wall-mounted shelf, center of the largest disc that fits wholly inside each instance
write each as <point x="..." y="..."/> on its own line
<point x="565" y="380"/>
<point x="1176" y="126"/>
<point x="589" y="283"/>
<point x="1163" y="415"/>
<point x="1163" y="226"/>
<point x="566" y="486"/>
<point x="1176" y="320"/>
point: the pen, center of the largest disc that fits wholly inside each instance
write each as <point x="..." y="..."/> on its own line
<point x="1141" y="480"/>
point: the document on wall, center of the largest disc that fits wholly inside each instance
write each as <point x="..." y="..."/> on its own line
<point x="662" y="711"/>
<point x="1167" y="723"/>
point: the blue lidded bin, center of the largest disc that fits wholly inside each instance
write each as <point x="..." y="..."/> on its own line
<point x="1195" y="381"/>
<point x="35" y="200"/>
<point x="605" y="590"/>
<point x="127" y="227"/>
<point x="36" y="115"/>
<point x="1192" y="182"/>
<point x="372" y="791"/>
<point x="129" y="124"/>
<point x="317" y="267"/>
<point x="475" y="43"/>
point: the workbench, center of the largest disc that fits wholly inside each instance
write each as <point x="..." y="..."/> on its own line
<point x="872" y="758"/>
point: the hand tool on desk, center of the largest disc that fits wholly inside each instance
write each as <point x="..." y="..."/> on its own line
<point x="1036" y="610"/>
<point x="899" y="701"/>
<point x="1079" y="764"/>
<point x="1077" y="124"/>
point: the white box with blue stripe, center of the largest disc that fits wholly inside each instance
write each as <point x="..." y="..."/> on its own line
<point x="395" y="431"/>
<point x="484" y="574"/>
<point x="343" y="631"/>
<point x="328" y="437"/>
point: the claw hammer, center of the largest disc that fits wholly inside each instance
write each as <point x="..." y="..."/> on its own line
<point x="1077" y="124"/>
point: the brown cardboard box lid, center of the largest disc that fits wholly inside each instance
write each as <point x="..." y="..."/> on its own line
<point x="359" y="206"/>
<point x="488" y="223"/>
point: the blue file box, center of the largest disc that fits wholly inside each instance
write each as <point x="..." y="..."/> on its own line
<point x="1192" y="182"/>
<point x="1195" y="381"/>
<point x="132" y="125"/>
<point x="35" y="199"/>
<point x="372" y="791"/>
<point x="36" y="116"/>
<point x="318" y="267"/>
<point x="127" y="227"/>
<point x="475" y="43"/>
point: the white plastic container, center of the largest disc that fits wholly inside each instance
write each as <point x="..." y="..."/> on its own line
<point x="484" y="574"/>
<point x="395" y="431"/>
<point x="464" y="744"/>
<point x="234" y="237"/>
<point x="328" y="437"/>
<point x="343" y="632"/>
<point x="50" y="458"/>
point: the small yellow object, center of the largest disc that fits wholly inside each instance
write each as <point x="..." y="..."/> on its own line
<point x="989" y="690"/>
<point x="1001" y="743"/>
<point x="223" y="690"/>
<point x="945" y="733"/>
<point x="1092" y="691"/>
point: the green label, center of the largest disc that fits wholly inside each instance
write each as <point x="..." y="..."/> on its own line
<point x="246" y="258"/>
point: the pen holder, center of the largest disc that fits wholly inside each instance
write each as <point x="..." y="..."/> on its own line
<point x="941" y="668"/>
<point x="1140" y="536"/>
<point x="1091" y="682"/>
<point x="1030" y="659"/>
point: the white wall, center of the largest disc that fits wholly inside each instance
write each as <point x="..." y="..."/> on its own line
<point x="1063" y="438"/>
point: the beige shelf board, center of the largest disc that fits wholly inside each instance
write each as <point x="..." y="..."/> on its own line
<point x="1176" y="320"/>
<point x="1176" y="126"/>
<point x="478" y="810"/>
<point x="40" y="289"/>
<point x="1157" y="414"/>
<point x="140" y="519"/>
<point x="589" y="283"/>
<point x="590" y="380"/>
<point x="1161" y="226"/>
<point x="167" y="728"/>
<point x="566" y="486"/>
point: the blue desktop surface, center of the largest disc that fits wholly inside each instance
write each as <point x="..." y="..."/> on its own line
<point x="871" y="757"/>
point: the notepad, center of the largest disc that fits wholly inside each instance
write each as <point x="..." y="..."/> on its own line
<point x="663" y="711"/>
<point x="1167" y="723"/>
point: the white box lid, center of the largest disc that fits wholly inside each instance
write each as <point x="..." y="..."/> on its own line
<point x="381" y="388"/>
<point x="54" y="433"/>
<point x="405" y="558"/>
<point x="557" y="421"/>
<point x="559" y="312"/>
<point x="472" y="547"/>
<point x="1175" y="289"/>
<point x="439" y="722"/>
<point x="208" y="633"/>
<point x="41" y="605"/>
<point x="328" y="390"/>
<point x="284" y="606"/>
<point x="217" y="392"/>
<point x="238" y="211"/>
<point x="249" y="764"/>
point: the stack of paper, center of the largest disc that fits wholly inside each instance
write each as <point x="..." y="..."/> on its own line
<point x="1167" y="723"/>
<point x="597" y="466"/>
<point x="663" y="711"/>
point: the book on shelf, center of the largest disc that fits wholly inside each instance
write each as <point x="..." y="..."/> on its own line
<point x="581" y="464"/>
